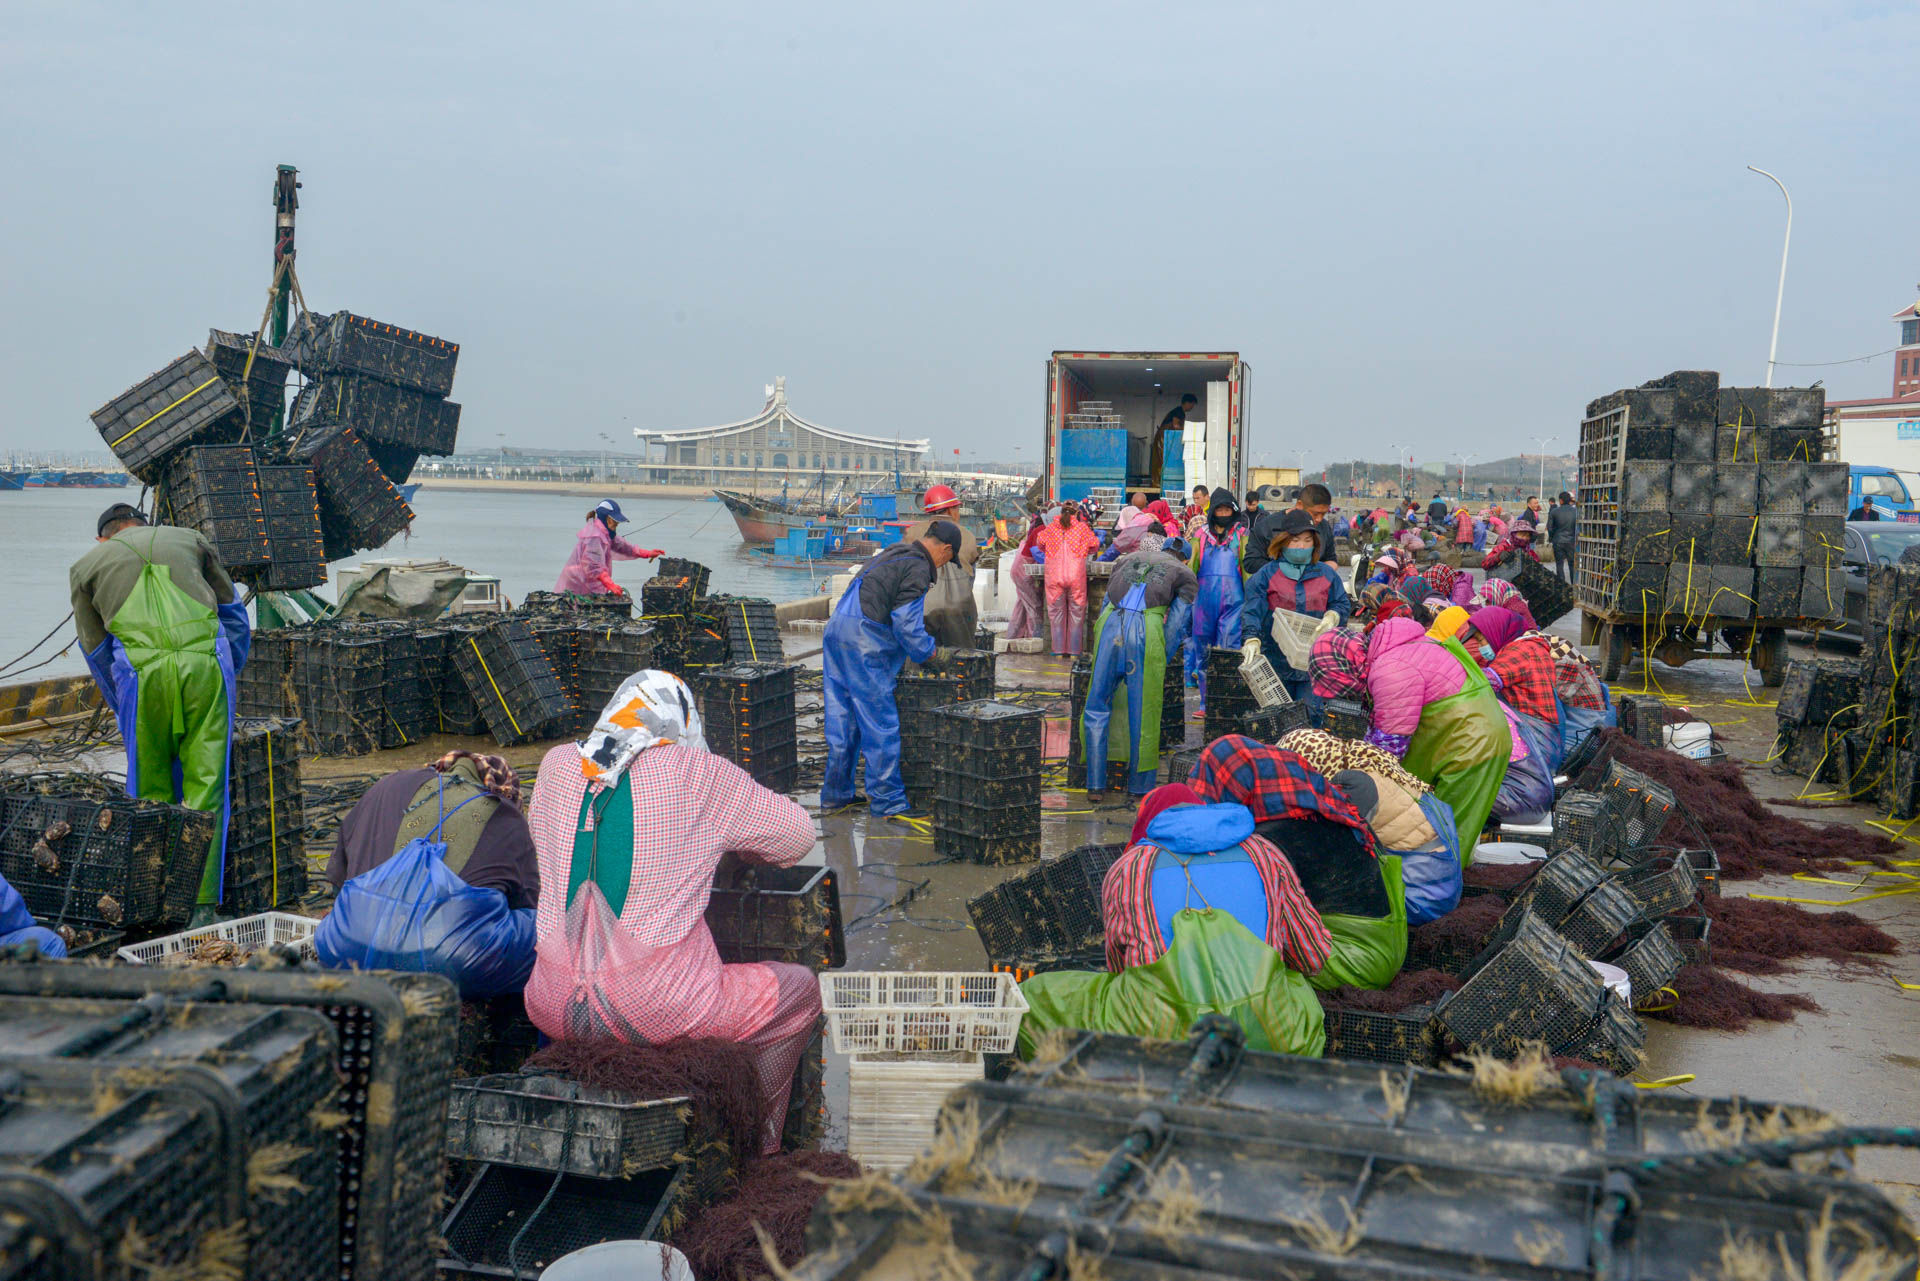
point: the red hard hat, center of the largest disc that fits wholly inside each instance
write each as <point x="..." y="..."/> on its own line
<point x="938" y="498"/>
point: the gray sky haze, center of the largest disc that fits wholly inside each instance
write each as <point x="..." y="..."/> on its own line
<point x="1458" y="220"/>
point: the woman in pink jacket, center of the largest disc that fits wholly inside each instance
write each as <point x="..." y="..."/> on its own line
<point x="589" y="571"/>
<point x="1432" y="708"/>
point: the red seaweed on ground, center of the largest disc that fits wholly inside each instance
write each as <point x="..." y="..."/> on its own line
<point x="776" y="1192"/>
<point x="1710" y="999"/>
<point x="1409" y="987"/>
<point x="718" y="1076"/>
<point x="1459" y="934"/>
<point x="1758" y="936"/>
<point x="1501" y="878"/>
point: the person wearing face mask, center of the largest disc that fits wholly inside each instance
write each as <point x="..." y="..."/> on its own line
<point x="1216" y="563"/>
<point x="1295" y="581"/>
<point x="1517" y="542"/>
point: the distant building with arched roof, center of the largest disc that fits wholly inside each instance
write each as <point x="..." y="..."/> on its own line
<point x="778" y="445"/>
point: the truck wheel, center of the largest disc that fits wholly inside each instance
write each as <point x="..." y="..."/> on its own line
<point x="1616" y="651"/>
<point x="1770" y="656"/>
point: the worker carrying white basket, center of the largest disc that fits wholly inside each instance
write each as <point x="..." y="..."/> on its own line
<point x="1291" y="600"/>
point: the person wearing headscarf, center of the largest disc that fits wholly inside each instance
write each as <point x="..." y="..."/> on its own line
<point x="1067" y="541"/>
<point x="1149" y="604"/>
<point x="1434" y="710"/>
<point x="1187" y="853"/>
<point x="1216" y="563"/>
<point x="1028" y="610"/>
<point x="1169" y="524"/>
<point x="1295" y="582"/>
<point x="1492" y="638"/>
<point x="1327" y="840"/>
<point x="1498" y="591"/>
<point x="1389" y="567"/>
<point x="631" y="826"/>
<point x="1136" y="528"/>
<point x="1450" y="584"/>
<point x="1448" y="622"/>
<point x="1516" y="542"/>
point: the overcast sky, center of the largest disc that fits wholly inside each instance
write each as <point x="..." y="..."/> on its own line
<point x="1467" y="220"/>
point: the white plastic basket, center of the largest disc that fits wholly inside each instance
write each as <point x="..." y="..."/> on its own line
<point x="907" y="1013"/>
<point x="1295" y="633"/>
<point x="893" y="1101"/>
<point x="248" y="933"/>
<point x="1263" y="682"/>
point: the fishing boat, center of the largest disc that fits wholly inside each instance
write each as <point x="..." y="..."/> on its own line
<point x="767" y="520"/>
<point x="94" y="480"/>
<point x="408" y="491"/>
<point x="13" y="480"/>
<point x="45" y="479"/>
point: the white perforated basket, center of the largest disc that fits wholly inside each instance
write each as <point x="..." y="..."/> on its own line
<point x="1263" y="682"/>
<point x="894" y="1101"/>
<point x="248" y="933"/>
<point x="1295" y="633"/>
<point x="870" y="1012"/>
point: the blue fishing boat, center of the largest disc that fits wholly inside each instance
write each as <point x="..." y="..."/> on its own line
<point x="13" y="480"/>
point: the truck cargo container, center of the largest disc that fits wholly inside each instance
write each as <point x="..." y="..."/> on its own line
<point x="1103" y="408"/>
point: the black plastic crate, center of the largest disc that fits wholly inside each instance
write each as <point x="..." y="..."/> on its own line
<point x="1741" y="443"/>
<point x="97" y="862"/>
<point x="265" y="378"/>
<point x="1730" y="541"/>
<point x="1783" y="488"/>
<point x="668" y="568"/>
<point x="609" y="654"/>
<point x="1779" y="542"/>
<point x="1691" y="484"/>
<point x="184" y="404"/>
<point x="1823" y="594"/>
<point x="1561" y="883"/>
<point x="1663" y="880"/>
<point x="396" y="1036"/>
<point x="1347" y="719"/>
<point x="1695" y="442"/>
<point x="998" y="789"/>
<point x="1650" y="953"/>
<point x="1776" y="591"/>
<point x="1646" y="486"/>
<point x="511" y="681"/>
<point x="396" y="462"/>
<point x="751" y="629"/>
<point x="345" y="343"/>
<point x="382" y="412"/>
<point x="100" y="1169"/>
<point x="789" y="914"/>
<point x="1646" y="537"/>
<point x="264" y="877"/>
<point x="360" y="509"/>
<point x="1797" y="444"/>
<point x="504" y="1204"/>
<point x="987" y="726"/>
<point x="1600" y="917"/>
<point x="1173" y="704"/>
<point x="1642" y="805"/>
<point x="1271" y="724"/>
<point x="1012" y="925"/>
<point x="1073" y="884"/>
<point x="1584" y="821"/>
<point x="1547" y="597"/>
<point x="1828" y="485"/>
<point x="993" y="851"/>
<point x="971" y="819"/>
<point x="275" y="1068"/>
<point x="1534" y="987"/>
<point x="1411" y="1035"/>
<point x="1736" y="489"/>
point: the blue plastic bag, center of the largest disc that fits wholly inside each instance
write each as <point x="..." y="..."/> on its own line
<point x="1433" y="877"/>
<point x="414" y="914"/>
<point x="18" y="926"/>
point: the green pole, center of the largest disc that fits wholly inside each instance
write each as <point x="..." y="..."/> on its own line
<point x="286" y="200"/>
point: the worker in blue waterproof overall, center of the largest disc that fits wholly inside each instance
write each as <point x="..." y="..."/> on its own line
<point x="877" y="626"/>
<point x="165" y="635"/>
<point x="1217" y="549"/>
<point x="1149" y="607"/>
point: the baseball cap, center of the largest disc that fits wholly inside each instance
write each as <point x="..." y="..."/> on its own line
<point x="608" y="507"/>
<point x="945" y="531"/>
<point x="117" y="513"/>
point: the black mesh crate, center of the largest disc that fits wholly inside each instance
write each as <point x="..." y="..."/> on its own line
<point x="1646" y="486"/>
<point x="1562" y="881"/>
<point x="262" y="371"/>
<point x="1012" y="930"/>
<point x="752" y="632"/>
<point x="1736" y="489"/>
<point x="1346" y="718"/>
<point x="96" y="861"/>
<point x="1783" y="488"/>
<point x="1739" y="443"/>
<point x="1173" y="704"/>
<point x="275" y="1068"/>
<point x="360" y="509"/>
<point x="749" y="717"/>
<point x="265" y="807"/>
<point x="339" y="681"/>
<point x="345" y="343"/>
<point x="1663" y="881"/>
<point x="382" y="412"/>
<point x="396" y="1036"/>
<point x="1779" y="542"/>
<point x="1730" y="541"/>
<point x="987" y="726"/>
<point x="1646" y="536"/>
<point x="1079" y="681"/>
<point x="1696" y="442"/>
<point x="1797" y="444"/>
<point x="1696" y="393"/>
<point x="215" y="489"/>
<point x="184" y="404"/>
<point x="789" y="914"/>
<point x="1547" y="597"/>
<point x="608" y="655"/>
<point x="1584" y="821"/>
<point x="1015" y="785"/>
<point x="1729" y="592"/>
<point x="1687" y="589"/>
<point x="1650" y="954"/>
<point x="1776" y="591"/>
<point x="559" y="640"/>
<point x="1649" y="442"/>
<point x="1600" y="917"/>
<point x="1828" y="485"/>
<point x="264" y="876"/>
<point x="395" y="462"/>
<point x="454" y="708"/>
<point x="1642" y="588"/>
<point x="1641" y="805"/>
<point x="265" y="684"/>
<point x="511" y="1222"/>
<point x="1411" y="1035"/>
<point x="993" y="851"/>
<point x="1823" y="594"/>
<point x="1692" y="486"/>
<point x="296" y="548"/>
<point x="1073" y="885"/>
<point x="1271" y="724"/>
<point x="511" y="681"/>
<point x="667" y="603"/>
<point x="1692" y="935"/>
<point x="1535" y="987"/>
<point x="668" y="568"/>
<point x="98" y="1168"/>
<point x="1612" y="1038"/>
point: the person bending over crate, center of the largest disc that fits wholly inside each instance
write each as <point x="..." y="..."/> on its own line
<point x="1147" y="615"/>
<point x="630" y="826"/>
<point x="165" y="636"/>
<point x="589" y="571"/>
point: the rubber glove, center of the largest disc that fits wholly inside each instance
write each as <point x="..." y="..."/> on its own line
<point x="1250" y="649"/>
<point x="649" y="553"/>
<point x="942" y="658"/>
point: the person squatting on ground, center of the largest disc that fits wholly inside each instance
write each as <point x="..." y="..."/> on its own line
<point x="876" y="627"/>
<point x="630" y="826"/>
<point x="1066" y="543"/>
<point x="1291" y="581"/>
<point x="589" y="571"/>
<point x="165" y="636"/>
<point x="1216" y="563"/>
<point x="1148" y="609"/>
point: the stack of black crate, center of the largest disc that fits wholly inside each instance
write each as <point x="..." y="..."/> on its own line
<point x="705" y="646"/>
<point x="1228" y="699"/>
<point x="1877" y="760"/>
<point x="390" y="385"/>
<point x="256" y="375"/>
<point x="752" y="631"/>
<point x="216" y="489"/>
<point x="297" y="550"/>
<point x="609" y="653"/>
<point x="986" y="806"/>
<point x="1079" y="683"/>
<point x="360" y="508"/>
<point x="559" y="639"/>
<point x="918" y="696"/>
<point x="266" y="852"/>
<point x="1173" y="703"/>
<point x="667" y="603"/>
<point x="454" y="706"/>
<point x="749" y="716"/>
<point x="511" y="681"/>
<point x="264" y="687"/>
<point x="1819" y="703"/>
<point x="410" y="690"/>
<point x="186" y="403"/>
<point x="339" y="680"/>
<point x="671" y="567"/>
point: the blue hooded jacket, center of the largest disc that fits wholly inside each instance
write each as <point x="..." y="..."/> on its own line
<point x="1201" y="864"/>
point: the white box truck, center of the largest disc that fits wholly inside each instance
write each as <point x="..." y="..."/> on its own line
<point x="1134" y="391"/>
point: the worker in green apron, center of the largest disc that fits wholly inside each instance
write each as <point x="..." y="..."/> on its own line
<point x="165" y="636"/>
<point x="1148" y="614"/>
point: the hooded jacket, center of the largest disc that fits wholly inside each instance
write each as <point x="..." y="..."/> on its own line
<point x="1207" y="857"/>
<point x="1405" y="672"/>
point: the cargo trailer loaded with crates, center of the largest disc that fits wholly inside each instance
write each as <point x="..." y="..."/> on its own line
<point x="1104" y="410"/>
<point x="1709" y="524"/>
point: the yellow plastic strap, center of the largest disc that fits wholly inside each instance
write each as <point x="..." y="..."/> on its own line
<point x="1666" y="1082"/>
<point x="189" y="396"/>
<point x="751" y="647"/>
<point x="496" y="686"/>
<point x="273" y="824"/>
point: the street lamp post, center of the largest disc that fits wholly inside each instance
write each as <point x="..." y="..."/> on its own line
<point x="1400" y="459"/>
<point x="1464" y="460"/>
<point x="1780" y="293"/>
<point x="1543" y="442"/>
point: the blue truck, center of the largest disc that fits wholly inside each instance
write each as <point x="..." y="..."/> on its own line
<point x="1894" y="494"/>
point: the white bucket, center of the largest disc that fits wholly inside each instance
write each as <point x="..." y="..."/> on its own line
<point x="1508" y="853"/>
<point x="1616" y="980"/>
<point x="983" y="590"/>
<point x="1692" y="739"/>
<point x="621" y="1261"/>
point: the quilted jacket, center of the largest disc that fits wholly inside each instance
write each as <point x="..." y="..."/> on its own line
<point x="1405" y="672"/>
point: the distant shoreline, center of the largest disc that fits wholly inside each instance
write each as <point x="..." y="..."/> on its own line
<point x="583" y="488"/>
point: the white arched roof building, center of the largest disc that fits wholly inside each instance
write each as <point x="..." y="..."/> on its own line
<point x="777" y="444"/>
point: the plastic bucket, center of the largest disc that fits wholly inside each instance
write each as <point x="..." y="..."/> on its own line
<point x="621" y="1261"/>
<point x="1616" y="980"/>
<point x="1508" y="853"/>
<point x="1692" y="739"/>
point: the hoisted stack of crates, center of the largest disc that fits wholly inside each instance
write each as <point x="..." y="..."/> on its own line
<point x="298" y="555"/>
<point x="360" y="509"/>
<point x="266" y="851"/>
<point x="748" y="713"/>
<point x="187" y="403"/>
<point x="986" y="805"/>
<point x="917" y="696"/>
<point x="216" y="490"/>
<point x="390" y="385"/>
<point x="256" y="374"/>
